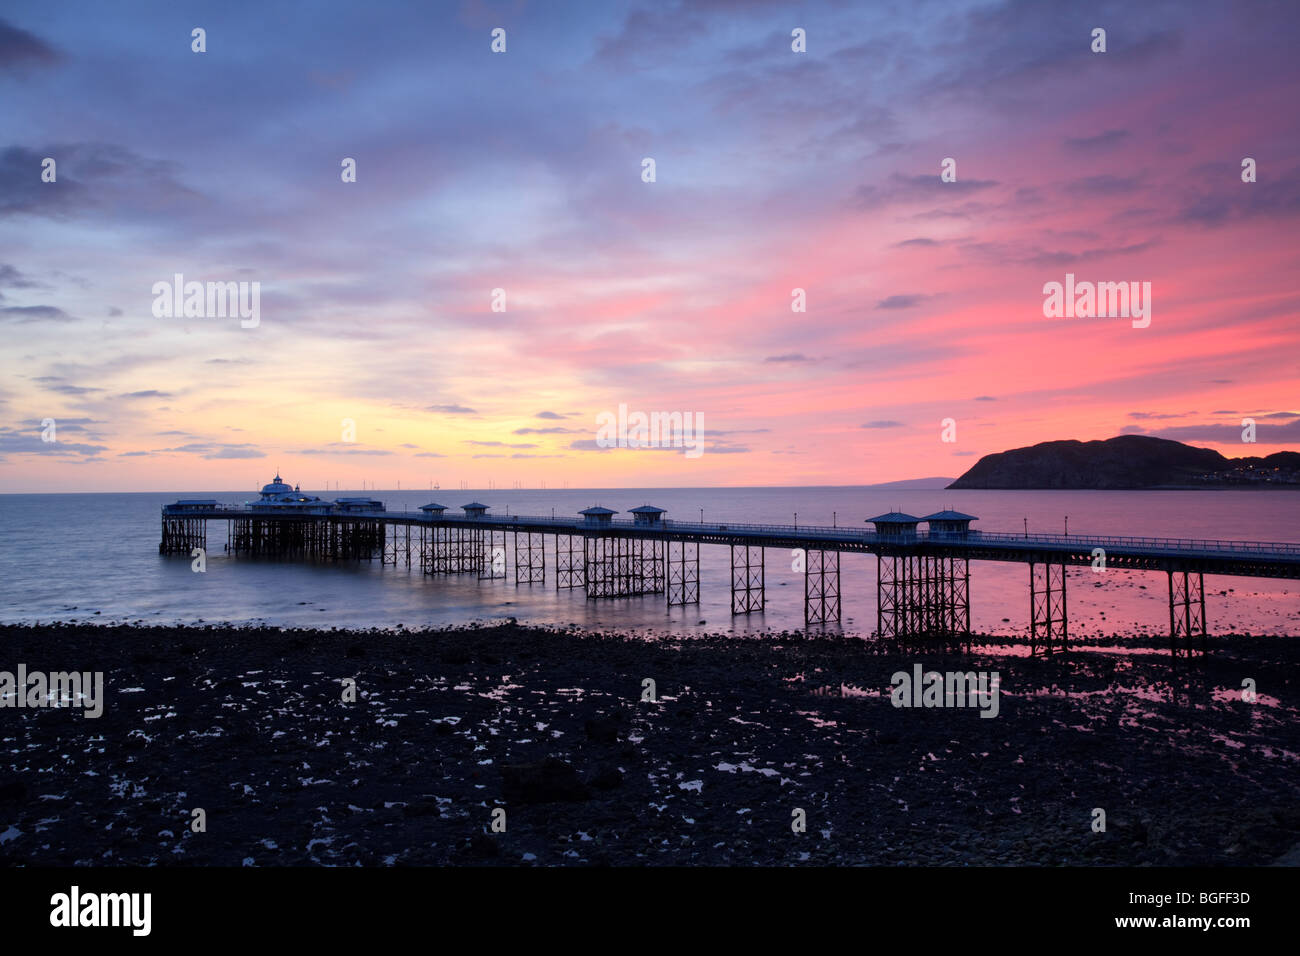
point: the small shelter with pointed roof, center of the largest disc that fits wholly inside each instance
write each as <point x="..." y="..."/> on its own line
<point x="475" y="510"/>
<point x="433" y="510"/>
<point x="949" y="524"/>
<point x="647" y="515"/>
<point x="597" y="515"/>
<point x="895" y="524"/>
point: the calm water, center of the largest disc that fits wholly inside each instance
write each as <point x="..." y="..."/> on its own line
<point x="95" y="557"/>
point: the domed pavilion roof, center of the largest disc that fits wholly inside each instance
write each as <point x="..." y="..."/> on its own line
<point x="277" y="487"/>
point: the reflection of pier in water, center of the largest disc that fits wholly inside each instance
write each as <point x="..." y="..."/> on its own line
<point x="922" y="577"/>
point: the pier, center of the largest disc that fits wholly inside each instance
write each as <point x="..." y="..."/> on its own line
<point x="923" y="577"/>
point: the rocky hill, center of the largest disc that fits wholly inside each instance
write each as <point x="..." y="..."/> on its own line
<point x="1129" y="461"/>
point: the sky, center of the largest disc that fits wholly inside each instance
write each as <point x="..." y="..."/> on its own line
<point x="382" y="354"/>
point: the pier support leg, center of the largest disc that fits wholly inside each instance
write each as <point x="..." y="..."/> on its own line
<point x="887" y="596"/>
<point x="530" y="558"/>
<point x="922" y="595"/>
<point x="683" y="573"/>
<point x="183" y="535"/>
<point x="467" y="551"/>
<point x="927" y="597"/>
<point x="1048" y="620"/>
<point x="397" y="542"/>
<point x="456" y="547"/>
<point x="370" y="539"/>
<point x="615" y="566"/>
<point x="959" y="594"/>
<point x="1187" y="633"/>
<point x="355" y="539"/>
<point x="438" y="552"/>
<point x="898" y="595"/>
<point x="941" y="594"/>
<point x="315" y="538"/>
<point x="645" y="565"/>
<point x="599" y="565"/>
<point x="748" y="579"/>
<point x="454" y="551"/>
<point x="569" y="568"/>
<point x="424" y="549"/>
<point x="821" y="587"/>
<point x="492" y="557"/>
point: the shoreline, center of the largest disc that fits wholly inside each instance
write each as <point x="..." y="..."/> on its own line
<point x="1132" y="637"/>
<point x="548" y="724"/>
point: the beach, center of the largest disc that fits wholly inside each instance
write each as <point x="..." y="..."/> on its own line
<point x="739" y="742"/>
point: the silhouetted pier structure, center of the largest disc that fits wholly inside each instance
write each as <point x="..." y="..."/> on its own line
<point x="922" y="578"/>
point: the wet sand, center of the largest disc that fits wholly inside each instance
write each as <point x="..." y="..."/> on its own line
<point x="550" y="725"/>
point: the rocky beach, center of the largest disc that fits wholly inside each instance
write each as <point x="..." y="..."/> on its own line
<point x="734" y="743"/>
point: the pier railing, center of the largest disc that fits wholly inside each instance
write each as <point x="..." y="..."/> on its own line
<point x="224" y="511"/>
<point x="1128" y="542"/>
<point x="828" y="532"/>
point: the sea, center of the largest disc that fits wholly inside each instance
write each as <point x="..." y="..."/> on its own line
<point x="94" y="558"/>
